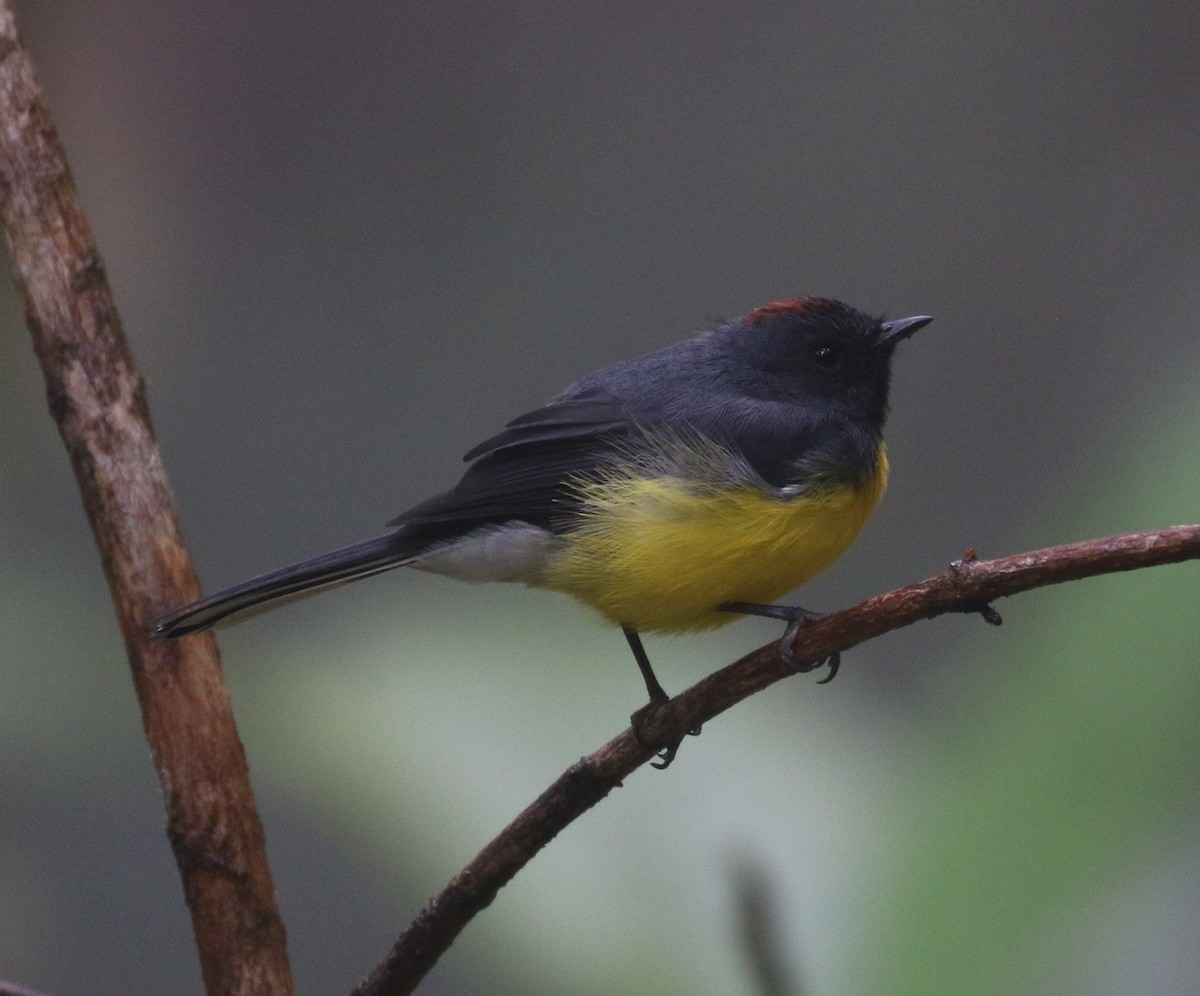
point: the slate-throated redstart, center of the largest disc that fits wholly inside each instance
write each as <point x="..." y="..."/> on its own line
<point x="671" y="492"/>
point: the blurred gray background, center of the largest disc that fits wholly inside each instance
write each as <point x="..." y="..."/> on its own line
<point x="350" y="240"/>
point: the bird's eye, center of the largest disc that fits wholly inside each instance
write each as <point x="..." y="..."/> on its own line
<point x="827" y="357"/>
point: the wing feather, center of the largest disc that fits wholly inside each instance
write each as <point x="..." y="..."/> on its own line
<point x="523" y="472"/>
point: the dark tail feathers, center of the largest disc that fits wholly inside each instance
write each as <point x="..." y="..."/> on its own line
<point x="359" y="560"/>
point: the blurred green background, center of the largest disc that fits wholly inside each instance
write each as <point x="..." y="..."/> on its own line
<point x="350" y="240"/>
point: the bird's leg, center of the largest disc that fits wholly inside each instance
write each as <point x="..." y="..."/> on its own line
<point x="656" y="691"/>
<point x="796" y="618"/>
<point x="658" y="696"/>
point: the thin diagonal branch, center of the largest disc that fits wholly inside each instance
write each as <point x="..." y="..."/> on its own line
<point x="967" y="586"/>
<point x="96" y="397"/>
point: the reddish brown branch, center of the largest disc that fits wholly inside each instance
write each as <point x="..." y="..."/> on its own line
<point x="968" y="586"/>
<point x="96" y="397"/>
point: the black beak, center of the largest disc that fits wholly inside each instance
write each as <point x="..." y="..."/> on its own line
<point x="899" y="330"/>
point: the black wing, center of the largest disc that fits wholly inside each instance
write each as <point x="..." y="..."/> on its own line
<point x="519" y="474"/>
<point x="522" y="473"/>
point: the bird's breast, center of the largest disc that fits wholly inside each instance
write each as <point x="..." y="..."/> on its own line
<point x="660" y="553"/>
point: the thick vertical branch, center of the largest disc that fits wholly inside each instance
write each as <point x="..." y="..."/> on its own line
<point x="96" y="397"/>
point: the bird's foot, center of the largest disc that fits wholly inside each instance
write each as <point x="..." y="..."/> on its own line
<point x="796" y="618"/>
<point x="645" y="715"/>
<point x="658" y="698"/>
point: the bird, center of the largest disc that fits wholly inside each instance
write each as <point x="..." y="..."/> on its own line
<point x="672" y="492"/>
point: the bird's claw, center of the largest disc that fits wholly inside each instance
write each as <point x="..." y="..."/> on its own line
<point x="798" y="618"/>
<point x="666" y="756"/>
<point x="667" y="753"/>
<point x="787" y="655"/>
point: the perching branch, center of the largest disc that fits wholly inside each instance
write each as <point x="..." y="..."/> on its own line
<point x="96" y="397"/>
<point x="967" y="586"/>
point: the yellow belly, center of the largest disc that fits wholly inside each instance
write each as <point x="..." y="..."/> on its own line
<point x="657" y="554"/>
